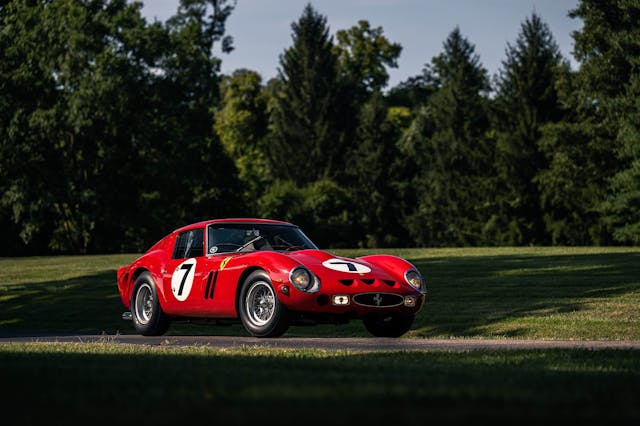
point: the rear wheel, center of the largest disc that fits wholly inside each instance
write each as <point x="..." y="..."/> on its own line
<point x="389" y="326"/>
<point x="148" y="317"/>
<point x="261" y="312"/>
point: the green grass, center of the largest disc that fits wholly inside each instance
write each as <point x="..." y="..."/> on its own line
<point x="551" y="293"/>
<point x="530" y="292"/>
<point x="106" y="383"/>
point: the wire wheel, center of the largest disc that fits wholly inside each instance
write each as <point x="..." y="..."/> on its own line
<point x="144" y="303"/>
<point x="260" y="303"/>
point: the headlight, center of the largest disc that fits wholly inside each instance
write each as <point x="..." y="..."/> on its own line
<point x="414" y="279"/>
<point x="301" y="278"/>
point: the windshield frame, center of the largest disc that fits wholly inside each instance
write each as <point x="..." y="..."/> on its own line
<point x="260" y="226"/>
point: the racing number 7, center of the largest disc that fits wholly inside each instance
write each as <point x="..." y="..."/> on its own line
<point x="187" y="267"/>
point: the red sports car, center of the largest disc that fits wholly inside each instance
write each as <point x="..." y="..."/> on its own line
<point x="269" y="275"/>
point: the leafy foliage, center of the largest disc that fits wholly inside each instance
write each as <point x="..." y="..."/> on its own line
<point x="113" y="130"/>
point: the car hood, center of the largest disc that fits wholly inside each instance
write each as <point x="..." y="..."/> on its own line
<point x="327" y="265"/>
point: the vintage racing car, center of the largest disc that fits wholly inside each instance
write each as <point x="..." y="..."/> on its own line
<point x="268" y="275"/>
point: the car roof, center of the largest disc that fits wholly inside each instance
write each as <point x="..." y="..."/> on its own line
<point x="232" y="220"/>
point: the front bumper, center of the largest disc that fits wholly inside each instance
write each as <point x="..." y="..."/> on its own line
<point x="354" y="304"/>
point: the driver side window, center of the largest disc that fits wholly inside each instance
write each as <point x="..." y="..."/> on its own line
<point x="225" y="240"/>
<point x="189" y="244"/>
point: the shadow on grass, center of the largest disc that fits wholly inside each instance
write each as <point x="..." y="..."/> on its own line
<point x="88" y="304"/>
<point x="467" y="296"/>
<point x="85" y="304"/>
<point x="171" y="386"/>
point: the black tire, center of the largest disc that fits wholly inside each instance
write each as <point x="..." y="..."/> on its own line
<point x="389" y="326"/>
<point x="261" y="312"/>
<point x="148" y="317"/>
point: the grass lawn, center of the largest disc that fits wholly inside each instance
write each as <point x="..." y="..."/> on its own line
<point x="548" y="293"/>
<point x="110" y="384"/>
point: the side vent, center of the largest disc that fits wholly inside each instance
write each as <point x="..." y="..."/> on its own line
<point x="211" y="285"/>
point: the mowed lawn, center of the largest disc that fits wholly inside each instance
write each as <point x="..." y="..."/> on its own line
<point x="550" y="293"/>
<point x="538" y="292"/>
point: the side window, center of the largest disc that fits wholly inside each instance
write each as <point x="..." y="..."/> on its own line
<point x="189" y="244"/>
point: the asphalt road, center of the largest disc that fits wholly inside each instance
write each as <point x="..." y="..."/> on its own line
<point x="352" y="344"/>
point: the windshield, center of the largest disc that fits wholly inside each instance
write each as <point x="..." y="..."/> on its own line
<point x="243" y="237"/>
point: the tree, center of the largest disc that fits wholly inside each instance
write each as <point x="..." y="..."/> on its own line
<point x="63" y="157"/>
<point x="572" y="186"/>
<point x="241" y="124"/>
<point x="451" y="150"/>
<point x="608" y="48"/>
<point x="622" y="207"/>
<point x="525" y="101"/>
<point x="105" y="130"/>
<point x="307" y="142"/>
<point x="373" y="175"/>
<point x="363" y="54"/>
<point x="189" y="177"/>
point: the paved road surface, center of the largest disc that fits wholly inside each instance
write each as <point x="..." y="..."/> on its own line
<point x="354" y="344"/>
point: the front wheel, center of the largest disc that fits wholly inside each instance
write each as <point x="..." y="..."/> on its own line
<point x="389" y="326"/>
<point x="148" y="317"/>
<point x="261" y="312"/>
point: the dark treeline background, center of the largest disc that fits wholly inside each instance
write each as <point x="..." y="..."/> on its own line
<point x="114" y="131"/>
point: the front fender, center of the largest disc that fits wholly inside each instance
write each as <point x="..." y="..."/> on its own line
<point x="394" y="265"/>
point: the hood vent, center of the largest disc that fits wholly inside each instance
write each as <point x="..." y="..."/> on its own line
<point x="346" y="282"/>
<point x="368" y="281"/>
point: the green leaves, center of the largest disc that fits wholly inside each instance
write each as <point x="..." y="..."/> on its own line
<point x="91" y="95"/>
<point x="112" y="127"/>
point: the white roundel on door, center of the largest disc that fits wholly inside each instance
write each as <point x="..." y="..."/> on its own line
<point x="346" y="266"/>
<point x="182" y="279"/>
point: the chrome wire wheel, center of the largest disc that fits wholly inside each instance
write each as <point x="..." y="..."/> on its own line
<point x="260" y="303"/>
<point x="144" y="303"/>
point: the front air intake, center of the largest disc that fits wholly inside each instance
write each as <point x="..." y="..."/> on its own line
<point x="378" y="300"/>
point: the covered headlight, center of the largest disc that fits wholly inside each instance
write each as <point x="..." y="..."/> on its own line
<point x="414" y="279"/>
<point x="301" y="278"/>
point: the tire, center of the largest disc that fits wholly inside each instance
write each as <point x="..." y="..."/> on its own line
<point x="389" y="326"/>
<point x="261" y="312"/>
<point x="148" y="317"/>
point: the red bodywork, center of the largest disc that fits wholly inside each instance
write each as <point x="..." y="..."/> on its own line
<point x="218" y="277"/>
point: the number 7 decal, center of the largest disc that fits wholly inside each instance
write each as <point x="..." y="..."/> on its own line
<point x="182" y="279"/>
<point x="187" y="267"/>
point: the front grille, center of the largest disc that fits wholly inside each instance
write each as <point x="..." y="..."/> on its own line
<point x="378" y="300"/>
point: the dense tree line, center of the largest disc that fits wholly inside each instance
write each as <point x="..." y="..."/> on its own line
<point x="114" y="130"/>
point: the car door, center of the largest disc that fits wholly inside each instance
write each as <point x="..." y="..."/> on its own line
<point x="184" y="272"/>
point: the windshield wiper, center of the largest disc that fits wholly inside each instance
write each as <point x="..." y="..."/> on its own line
<point x="248" y="243"/>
